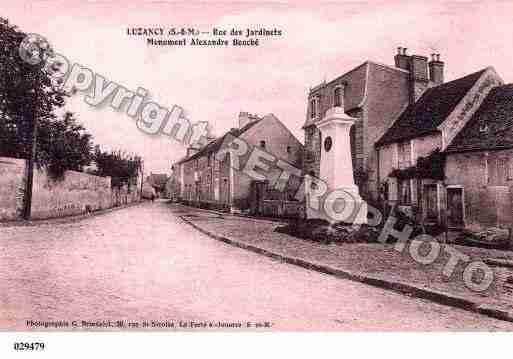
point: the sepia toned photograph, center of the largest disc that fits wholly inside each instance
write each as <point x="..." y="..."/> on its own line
<point x="255" y="167"/>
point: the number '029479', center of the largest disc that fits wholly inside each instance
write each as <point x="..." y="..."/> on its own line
<point x="29" y="346"/>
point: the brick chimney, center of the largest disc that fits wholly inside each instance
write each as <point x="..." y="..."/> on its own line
<point x="245" y="118"/>
<point x="419" y="79"/>
<point x="402" y="59"/>
<point x="436" y="70"/>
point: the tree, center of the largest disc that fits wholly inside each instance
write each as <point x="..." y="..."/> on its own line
<point x="27" y="91"/>
<point x="63" y="145"/>
<point x="29" y="94"/>
<point x="122" y="168"/>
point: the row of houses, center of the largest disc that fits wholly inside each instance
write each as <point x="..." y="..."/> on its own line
<point x="442" y="150"/>
<point x="207" y="178"/>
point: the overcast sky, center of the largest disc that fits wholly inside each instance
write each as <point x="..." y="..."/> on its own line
<point x="320" y="41"/>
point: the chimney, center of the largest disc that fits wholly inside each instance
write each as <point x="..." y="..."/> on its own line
<point x="341" y="92"/>
<point x="419" y="79"/>
<point x="402" y="59"/>
<point x="245" y="118"/>
<point x="436" y="70"/>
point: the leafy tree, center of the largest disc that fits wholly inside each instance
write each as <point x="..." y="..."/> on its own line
<point x="29" y="94"/>
<point x="63" y="145"/>
<point x="121" y="167"/>
<point x="27" y="91"/>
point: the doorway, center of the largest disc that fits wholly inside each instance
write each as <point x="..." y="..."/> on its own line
<point x="455" y="207"/>
<point x="431" y="203"/>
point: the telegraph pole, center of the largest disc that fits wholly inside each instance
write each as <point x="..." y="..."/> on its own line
<point x="142" y="178"/>
<point x="32" y="159"/>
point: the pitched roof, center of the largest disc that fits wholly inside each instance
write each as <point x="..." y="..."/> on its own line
<point x="216" y="144"/>
<point x="491" y="127"/>
<point x="430" y="111"/>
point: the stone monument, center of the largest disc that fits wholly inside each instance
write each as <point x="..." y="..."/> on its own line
<point x="343" y="202"/>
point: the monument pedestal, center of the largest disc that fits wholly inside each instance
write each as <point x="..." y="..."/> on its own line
<point x="342" y="202"/>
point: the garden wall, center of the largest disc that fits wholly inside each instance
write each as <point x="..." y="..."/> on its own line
<point x="12" y="185"/>
<point x="76" y="193"/>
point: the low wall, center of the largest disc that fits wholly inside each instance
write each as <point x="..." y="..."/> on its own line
<point x="12" y="186"/>
<point x="77" y="193"/>
<point x="284" y="209"/>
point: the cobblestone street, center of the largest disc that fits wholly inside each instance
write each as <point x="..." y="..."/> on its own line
<point x="143" y="263"/>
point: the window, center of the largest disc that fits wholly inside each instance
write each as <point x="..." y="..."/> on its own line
<point x="499" y="171"/>
<point x="313" y="108"/>
<point x="404" y="192"/>
<point x="337" y="100"/>
<point x="262" y="144"/>
<point x="404" y="155"/>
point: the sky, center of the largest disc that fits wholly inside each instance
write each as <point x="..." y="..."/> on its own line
<point x="320" y="41"/>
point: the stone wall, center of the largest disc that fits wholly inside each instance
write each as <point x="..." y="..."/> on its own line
<point x="488" y="201"/>
<point x="282" y="209"/>
<point x="77" y="193"/>
<point x="12" y="186"/>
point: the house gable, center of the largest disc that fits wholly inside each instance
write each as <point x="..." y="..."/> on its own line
<point x="491" y="126"/>
<point x="468" y="105"/>
<point x="434" y="107"/>
<point x="279" y="141"/>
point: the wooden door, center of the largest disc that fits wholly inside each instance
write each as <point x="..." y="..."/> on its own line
<point x="455" y="207"/>
<point x="431" y="202"/>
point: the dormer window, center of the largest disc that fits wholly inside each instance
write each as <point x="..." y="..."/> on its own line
<point x="483" y="128"/>
<point x="337" y="100"/>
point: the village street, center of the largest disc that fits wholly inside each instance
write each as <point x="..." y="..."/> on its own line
<point x="142" y="263"/>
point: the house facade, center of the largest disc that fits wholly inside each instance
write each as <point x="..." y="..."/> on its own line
<point x="422" y="166"/>
<point x="212" y="177"/>
<point x="374" y="94"/>
<point x="479" y="166"/>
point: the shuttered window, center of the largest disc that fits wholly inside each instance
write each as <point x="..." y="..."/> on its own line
<point x="499" y="171"/>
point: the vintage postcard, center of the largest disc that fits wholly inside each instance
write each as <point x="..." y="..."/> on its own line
<point x="255" y="167"/>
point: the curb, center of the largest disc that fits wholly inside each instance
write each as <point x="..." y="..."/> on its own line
<point x="403" y="288"/>
<point x="63" y="220"/>
<point x="238" y="215"/>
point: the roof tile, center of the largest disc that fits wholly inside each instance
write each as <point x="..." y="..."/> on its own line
<point x="430" y="111"/>
<point x="491" y="127"/>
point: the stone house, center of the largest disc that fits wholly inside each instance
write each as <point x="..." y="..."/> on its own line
<point x="479" y="166"/>
<point x="375" y="94"/>
<point x="426" y="163"/>
<point x="204" y="178"/>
